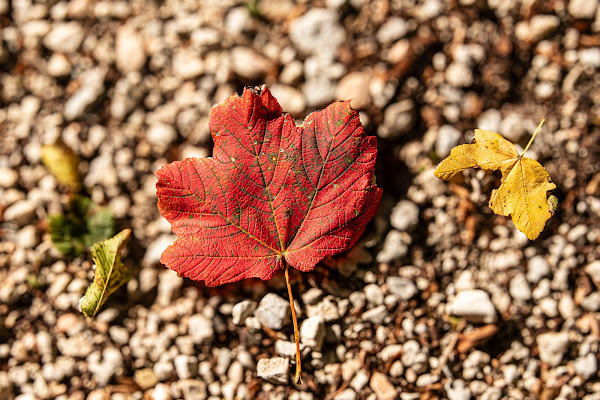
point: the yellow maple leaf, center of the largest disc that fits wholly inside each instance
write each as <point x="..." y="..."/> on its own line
<point x="524" y="184"/>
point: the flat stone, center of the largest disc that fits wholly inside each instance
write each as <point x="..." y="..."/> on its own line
<point x="64" y="37"/>
<point x="552" y="347"/>
<point x="273" y="311"/>
<point x="474" y="305"/>
<point x="375" y="315"/>
<point x="275" y="370"/>
<point x="382" y="387"/>
<point x="394" y="247"/>
<point x="318" y="32"/>
<point x="405" y="215"/>
<point x="586" y="366"/>
<point x="390" y="351"/>
<point x="403" y="288"/>
<point x="145" y="378"/>
<point x="22" y="212"/>
<point x="592" y="269"/>
<point x="186" y="366"/>
<point x="92" y="86"/>
<point x="248" y="63"/>
<point x="459" y="74"/>
<point x="200" y="328"/>
<point x="354" y="87"/>
<point x="447" y="138"/>
<point x="8" y="177"/>
<point x="519" y="288"/>
<point x="129" y="50"/>
<point x="346" y="394"/>
<point x="291" y="99"/>
<point x="582" y="9"/>
<point x="537" y="268"/>
<point x="312" y="333"/>
<point x="242" y="310"/>
<point x="398" y="119"/>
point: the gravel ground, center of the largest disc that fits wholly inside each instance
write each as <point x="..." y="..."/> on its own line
<point x="440" y="299"/>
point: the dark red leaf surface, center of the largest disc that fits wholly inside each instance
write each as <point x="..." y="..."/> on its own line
<point x="271" y="191"/>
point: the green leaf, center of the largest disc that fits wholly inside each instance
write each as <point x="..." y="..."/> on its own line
<point x="110" y="273"/>
<point x="63" y="163"/>
<point x="84" y="224"/>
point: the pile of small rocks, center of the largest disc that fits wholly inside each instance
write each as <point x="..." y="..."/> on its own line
<point x="440" y="299"/>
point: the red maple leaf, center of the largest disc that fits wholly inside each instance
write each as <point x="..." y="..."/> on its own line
<point x="273" y="194"/>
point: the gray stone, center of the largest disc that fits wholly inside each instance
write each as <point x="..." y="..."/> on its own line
<point x="592" y="269"/>
<point x="326" y="309"/>
<point x="537" y="28"/>
<point x="346" y="394"/>
<point x="393" y="28"/>
<point x="200" y="328"/>
<point x="318" y="91"/>
<point x="164" y="370"/>
<point x="403" y="288"/>
<point x="64" y="37"/>
<point x="156" y="248"/>
<point x="591" y="302"/>
<point x="590" y="56"/>
<point x="187" y="64"/>
<point x="586" y="366"/>
<point x="92" y="86"/>
<point x="161" y="135"/>
<point x="248" y="63"/>
<point x="357" y="299"/>
<point x="549" y="307"/>
<point x="275" y="370"/>
<point x="473" y="305"/>
<point x="8" y="177"/>
<point x="119" y="334"/>
<point x="459" y="74"/>
<point x="312" y="333"/>
<point x="582" y="9"/>
<point x="394" y="247"/>
<point x="186" y="366"/>
<point x="290" y="98"/>
<point x="224" y="359"/>
<point x="21" y="213"/>
<point x="273" y="311"/>
<point x="457" y="390"/>
<point x="242" y="310"/>
<point x="169" y="287"/>
<point x="318" y="32"/>
<point x="447" y="138"/>
<point x="374" y="294"/>
<point x="567" y="307"/>
<point x="27" y="237"/>
<point x="129" y="50"/>
<point x="312" y="296"/>
<point x="552" y="347"/>
<point x="375" y="315"/>
<point x="398" y="119"/>
<point x="537" y="268"/>
<point x="354" y="87"/>
<point x="519" y="288"/>
<point x="490" y="120"/>
<point x="405" y="215"/>
<point x="360" y="380"/>
<point x="390" y="352"/>
<point x="106" y="366"/>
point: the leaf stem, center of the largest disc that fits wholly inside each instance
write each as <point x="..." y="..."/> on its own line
<point x="533" y="137"/>
<point x="298" y="375"/>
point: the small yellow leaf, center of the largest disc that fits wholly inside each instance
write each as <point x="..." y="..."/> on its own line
<point x="63" y="163"/>
<point x="524" y="185"/>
